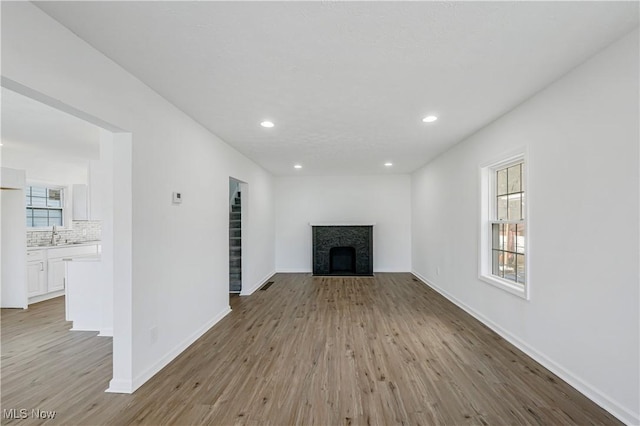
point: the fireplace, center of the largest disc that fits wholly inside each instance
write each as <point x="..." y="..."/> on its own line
<point x="342" y="250"/>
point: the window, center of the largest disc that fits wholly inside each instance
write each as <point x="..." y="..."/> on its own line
<point x="45" y="206"/>
<point x="503" y="251"/>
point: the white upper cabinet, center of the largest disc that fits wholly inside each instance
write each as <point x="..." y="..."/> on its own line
<point x="81" y="208"/>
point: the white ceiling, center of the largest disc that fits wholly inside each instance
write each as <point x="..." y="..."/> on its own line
<point x="31" y="127"/>
<point x="346" y="83"/>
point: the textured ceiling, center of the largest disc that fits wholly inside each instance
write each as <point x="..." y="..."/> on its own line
<point x="31" y="127"/>
<point x="346" y="83"/>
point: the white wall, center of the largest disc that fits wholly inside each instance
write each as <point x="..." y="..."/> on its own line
<point x="384" y="200"/>
<point x="180" y="253"/>
<point x="101" y="205"/>
<point x="582" y="320"/>
<point x="43" y="167"/>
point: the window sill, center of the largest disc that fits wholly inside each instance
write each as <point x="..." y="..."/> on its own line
<point x="519" y="290"/>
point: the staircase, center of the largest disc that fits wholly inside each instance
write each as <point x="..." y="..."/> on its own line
<point x="235" y="246"/>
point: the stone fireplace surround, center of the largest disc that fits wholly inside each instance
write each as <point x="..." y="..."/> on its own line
<point x="339" y="236"/>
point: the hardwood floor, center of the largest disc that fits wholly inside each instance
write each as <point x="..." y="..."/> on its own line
<point x="309" y="350"/>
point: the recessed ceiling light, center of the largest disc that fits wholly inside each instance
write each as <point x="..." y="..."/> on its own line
<point x="297" y="166"/>
<point x="267" y="124"/>
<point x="430" y="119"/>
<point x="388" y="164"/>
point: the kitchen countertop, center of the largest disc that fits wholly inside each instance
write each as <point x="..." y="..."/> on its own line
<point x="79" y="244"/>
<point x="87" y="258"/>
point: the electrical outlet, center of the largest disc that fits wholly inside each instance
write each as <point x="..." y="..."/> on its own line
<point x="153" y="334"/>
<point x="177" y="197"/>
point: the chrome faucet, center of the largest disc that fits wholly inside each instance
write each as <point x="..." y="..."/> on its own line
<point x="54" y="232"/>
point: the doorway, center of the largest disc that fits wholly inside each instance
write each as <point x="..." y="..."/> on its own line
<point x="235" y="235"/>
<point x="113" y="208"/>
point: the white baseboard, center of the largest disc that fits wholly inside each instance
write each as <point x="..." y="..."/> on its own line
<point x="257" y="285"/>
<point x="12" y="306"/>
<point x="172" y="354"/>
<point x="85" y="328"/>
<point x="622" y="413"/>
<point x="106" y="332"/>
<point x="47" y="296"/>
<point x="119" y="386"/>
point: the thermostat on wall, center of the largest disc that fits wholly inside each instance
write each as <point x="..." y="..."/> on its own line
<point x="177" y="198"/>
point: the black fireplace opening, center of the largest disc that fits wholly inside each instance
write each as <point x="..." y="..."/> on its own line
<point x="342" y="260"/>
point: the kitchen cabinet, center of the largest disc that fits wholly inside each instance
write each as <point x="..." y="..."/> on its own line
<point x="46" y="269"/>
<point x="36" y="278"/>
<point x="13" y="242"/>
<point x="80" y="202"/>
<point x="55" y="275"/>
<point x="36" y="273"/>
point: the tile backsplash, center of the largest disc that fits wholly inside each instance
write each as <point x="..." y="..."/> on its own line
<point x="81" y="230"/>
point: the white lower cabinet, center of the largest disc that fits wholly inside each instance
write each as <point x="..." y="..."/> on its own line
<point x="46" y="269"/>
<point x="55" y="275"/>
<point x="36" y="278"/>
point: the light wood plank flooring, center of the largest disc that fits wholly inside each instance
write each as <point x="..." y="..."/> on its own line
<point x="309" y="350"/>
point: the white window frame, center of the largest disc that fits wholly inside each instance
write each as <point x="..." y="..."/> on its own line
<point x="64" y="205"/>
<point x="487" y="218"/>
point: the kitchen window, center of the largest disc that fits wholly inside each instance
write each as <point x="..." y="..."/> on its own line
<point x="504" y="238"/>
<point x="45" y="206"/>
